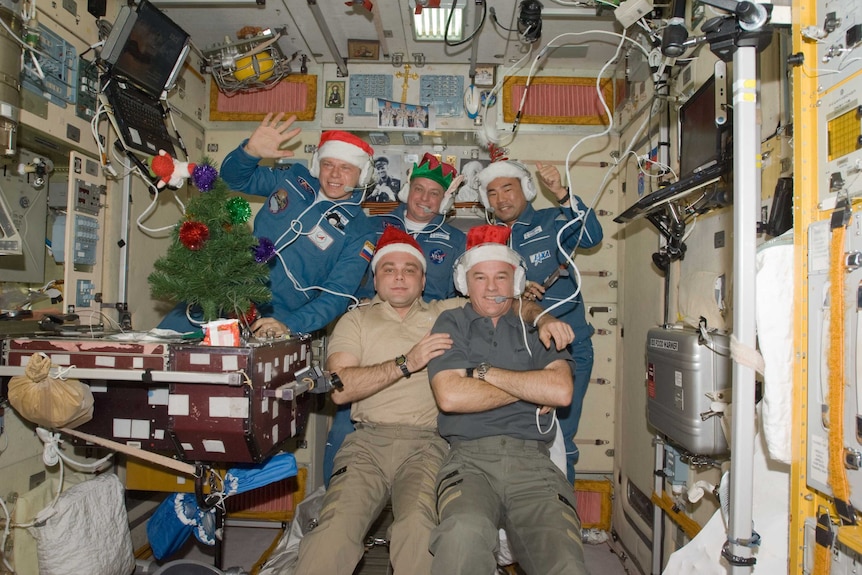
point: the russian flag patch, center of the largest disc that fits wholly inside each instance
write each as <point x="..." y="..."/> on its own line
<point x="367" y="251"/>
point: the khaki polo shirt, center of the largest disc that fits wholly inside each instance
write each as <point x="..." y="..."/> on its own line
<point x="376" y="334"/>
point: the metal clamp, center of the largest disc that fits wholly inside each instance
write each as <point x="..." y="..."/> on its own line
<point x="736" y="559"/>
<point x="311" y="379"/>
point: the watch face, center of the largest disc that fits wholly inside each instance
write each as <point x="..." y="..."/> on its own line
<point x="401" y="360"/>
<point x="482" y="369"/>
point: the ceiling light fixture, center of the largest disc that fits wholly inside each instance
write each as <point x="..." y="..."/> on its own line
<point x="429" y="23"/>
<point x="252" y="63"/>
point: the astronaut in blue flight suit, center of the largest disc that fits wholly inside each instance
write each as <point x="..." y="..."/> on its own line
<point x="323" y="239"/>
<point x="425" y="199"/>
<point x="506" y="189"/>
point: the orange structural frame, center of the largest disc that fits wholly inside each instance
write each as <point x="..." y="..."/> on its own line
<point x="558" y="100"/>
<point x="293" y="95"/>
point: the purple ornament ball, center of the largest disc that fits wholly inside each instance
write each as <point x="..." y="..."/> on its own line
<point x="204" y="177"/>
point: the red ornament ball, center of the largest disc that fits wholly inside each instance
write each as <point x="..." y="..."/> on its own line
<point x="247" y="317"/>
<point x="194" y="235"/>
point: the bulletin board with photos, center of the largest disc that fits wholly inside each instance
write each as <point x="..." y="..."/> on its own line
<point x="392" y="170"/>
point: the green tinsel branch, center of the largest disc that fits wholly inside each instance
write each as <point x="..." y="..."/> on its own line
<point x="222" y="277"/>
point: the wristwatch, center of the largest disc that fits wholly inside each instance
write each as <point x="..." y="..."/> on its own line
<point x="401" y="362"/>
<point x="482" y="370"/>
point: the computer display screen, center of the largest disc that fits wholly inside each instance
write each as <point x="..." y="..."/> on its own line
<point x="147" y="48"/>
<point x="701" y="140"/>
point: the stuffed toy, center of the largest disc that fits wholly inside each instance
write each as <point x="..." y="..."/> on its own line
<point x="170" y="171"/>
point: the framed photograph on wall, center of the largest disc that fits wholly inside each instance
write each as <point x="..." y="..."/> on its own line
<point x="389" y="176"/>
<point x="486" y="75"/>
<point x="334" y="95"/>
<point x="398" y="115"/>
<point x="363" y="49"/>
<point x="470" y="168"/>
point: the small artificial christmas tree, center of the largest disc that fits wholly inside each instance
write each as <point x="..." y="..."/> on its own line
<point x="214" y="261"/>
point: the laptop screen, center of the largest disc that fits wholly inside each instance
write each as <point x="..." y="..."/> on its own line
<point x="148" y="48"/>
<point x="701" y="140"/>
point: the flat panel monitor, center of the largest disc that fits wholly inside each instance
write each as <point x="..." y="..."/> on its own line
<point x="704" y="150"/>
<point x="702" y="140"/>
<point x="146" y="48"/>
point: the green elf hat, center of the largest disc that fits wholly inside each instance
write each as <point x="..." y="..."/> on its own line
<point x="442" y="173"/>
<point x="433" y="169"/>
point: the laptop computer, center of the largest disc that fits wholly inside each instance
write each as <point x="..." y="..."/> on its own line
<point x="144" y="54"/>
<point x="704" y="152"/>
<point x="707" y="175"/>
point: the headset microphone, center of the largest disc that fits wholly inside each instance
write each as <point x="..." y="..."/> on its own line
<point x="364" y="188"/>
<point x="500" y="298"/>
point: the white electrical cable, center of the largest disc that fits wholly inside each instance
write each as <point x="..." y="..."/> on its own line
<point x="550" y="427"/>
<point x="581" y="215"/>
<point x="485" y="133"/>
<point x="3" y="539"/>
<point x="296" y="226"/>
<point x="52" y="454"/>
<point x="37" y="67"/>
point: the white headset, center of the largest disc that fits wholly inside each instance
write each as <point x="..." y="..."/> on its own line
<point x="448" y="196"/>
<point x="528" y="186"/>
<point x="461" y="274"/>
<point x="366" y="175"/>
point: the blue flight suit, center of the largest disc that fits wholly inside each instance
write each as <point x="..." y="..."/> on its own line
<point x="534" y="237"/>
<point x="441" y="243"/>
<point x="326" y="244"/>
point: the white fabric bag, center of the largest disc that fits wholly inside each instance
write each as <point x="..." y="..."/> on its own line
<point x="86" y="531"/>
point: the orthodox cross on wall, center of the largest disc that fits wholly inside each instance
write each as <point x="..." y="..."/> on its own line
<point x="407" y="77"/>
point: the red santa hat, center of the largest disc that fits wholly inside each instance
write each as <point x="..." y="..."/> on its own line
<point x="348" y="148"/>
<point x="397" y="240"/>
<point x="489" y="243"/>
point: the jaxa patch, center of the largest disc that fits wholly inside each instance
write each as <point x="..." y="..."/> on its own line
<point x="437" y="256"/>
<point x="277" y="201"/>
<point x="303" y="183"/>
<point x="320" y="238"/>
<point x="367" y="251"/>
<point x="539" y="257"/>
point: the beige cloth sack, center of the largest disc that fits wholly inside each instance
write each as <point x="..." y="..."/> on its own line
<point x="47" y="401"/>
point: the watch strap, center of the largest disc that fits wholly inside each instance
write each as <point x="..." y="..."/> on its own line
<point x="401" y="362"/>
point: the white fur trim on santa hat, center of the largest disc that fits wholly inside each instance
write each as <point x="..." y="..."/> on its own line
<point x="346" y="152"/>
<point x="397" y="247"/>
<point x="490" y="253"/>
<point x="505" y="169"/>
<point x="494" y="253"/>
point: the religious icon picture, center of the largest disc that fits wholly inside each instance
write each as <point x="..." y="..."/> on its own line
<point x="363" y="49"/>
<point x="334" y="95"/>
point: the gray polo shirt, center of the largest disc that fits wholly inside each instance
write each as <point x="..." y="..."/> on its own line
<point x="476" y="339"/>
